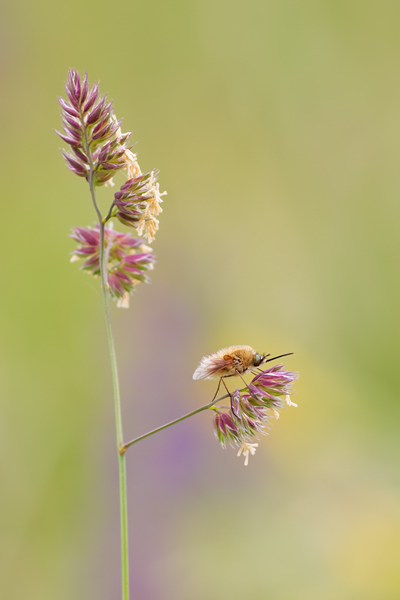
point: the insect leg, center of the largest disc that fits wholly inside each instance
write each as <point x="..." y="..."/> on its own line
<point x="219" y="385"/>
<point x="239" y="375"/>
<point x="222" y="379"/>
<point x="230" y="395"/>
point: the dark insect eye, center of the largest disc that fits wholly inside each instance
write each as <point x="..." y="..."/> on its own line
<point x="257" y="360"/>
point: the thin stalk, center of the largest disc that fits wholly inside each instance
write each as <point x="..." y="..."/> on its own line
<point x="118" y="424"/>
<point x="153" y="431"/>
<point x="108" y="217"/>
<point x="117" y="401"/>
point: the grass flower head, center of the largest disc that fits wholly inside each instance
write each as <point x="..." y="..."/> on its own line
<point x="251" y="409"/>
<point x="127" y="259"/>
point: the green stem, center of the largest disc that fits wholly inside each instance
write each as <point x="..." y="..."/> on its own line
<point x="109" y="214"/>
<point x="118" y="423"/>
<point x="153" y="431"/>
<point x="117" y="401"/>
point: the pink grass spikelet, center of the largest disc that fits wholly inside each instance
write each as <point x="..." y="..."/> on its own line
<point x="251" y="409"/>
<point x="138" y="204"/>
<point x="128" y="259"/>
<point x="88" y="122"/>
<point x="98" y="150"/>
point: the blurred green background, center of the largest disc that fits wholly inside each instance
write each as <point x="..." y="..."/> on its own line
<point x="275" y="125"/>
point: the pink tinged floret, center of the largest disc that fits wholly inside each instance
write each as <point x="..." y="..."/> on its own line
<point x="74" y="83"/>
<point x="89" y="236"/>
<point x="85" y="88"/>
<point x="126" y="266"/>
<point x="138" y="258"/>
<point x="249" y="409"/>
<point x="67" y="108"/>
<point x="275" y="378"/>
<point x="93" y="261"/>
<point x="225" y="429"/>
<point x="83" y="251"/>
<point x="72" y="121"/>
<point x="72" y="132"/>
<point x="93" y="95"/>
<point x="75" y="165"/>
<point x="71" y="96"/>
<point x="235" y="402"/>
<point x="250" y="412"/>
<point x="249" y="419"/>
<point x="254" y="391"/>
<point x="80" y="155"/>
<point x="261" y="397"/>
<point x="95" y="113"/>
<point x="123" y="277"/>
<point x="88" y="116"/>
<point x="102" y="124"/>
<point x="138" y="203"/>
<point x="69" y="140"/>
<point x="115" y="284"/>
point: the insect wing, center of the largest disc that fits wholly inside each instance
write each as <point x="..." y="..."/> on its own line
<point x="211" y="365"/>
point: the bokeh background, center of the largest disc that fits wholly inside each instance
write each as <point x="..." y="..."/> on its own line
<point x="276" y="127"/>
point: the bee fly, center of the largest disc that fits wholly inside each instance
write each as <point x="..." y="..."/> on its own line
<point x="231" y="362"/>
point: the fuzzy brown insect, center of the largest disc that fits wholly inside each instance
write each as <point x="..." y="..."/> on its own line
<point x="235" y="360"/>
<point x="230" y="362"/>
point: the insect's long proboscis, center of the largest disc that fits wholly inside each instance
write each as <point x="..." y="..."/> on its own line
<point x="276" y="357"/>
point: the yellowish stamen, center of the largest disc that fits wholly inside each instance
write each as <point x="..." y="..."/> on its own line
<point x="123" y="302"/>
<point x="247" y="449"/>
